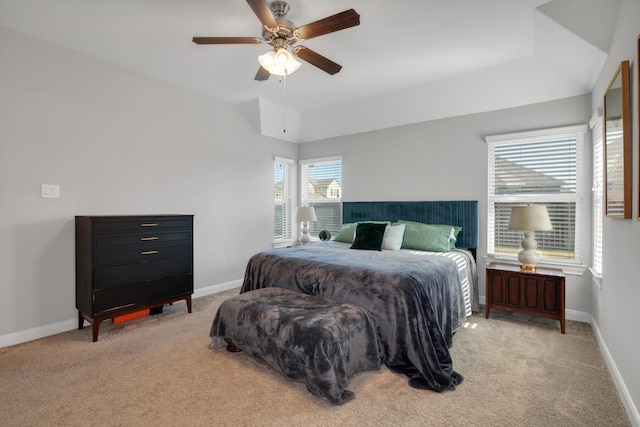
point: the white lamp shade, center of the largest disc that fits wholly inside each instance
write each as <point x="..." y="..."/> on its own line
<point x="305" y="213"/>
<point x="279" y="62"/>
<point x="530" y="217"/>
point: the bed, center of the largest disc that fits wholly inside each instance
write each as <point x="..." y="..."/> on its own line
<point x="417" y="299"/>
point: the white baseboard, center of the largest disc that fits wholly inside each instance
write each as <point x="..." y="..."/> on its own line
<point x="68" y="325"/>
<point x="625" y="396"/>
<point x="577" y="316"/>
<point x="574" y="315"/>
<point x="214" y="289"/>
<point x="37" y="333"/>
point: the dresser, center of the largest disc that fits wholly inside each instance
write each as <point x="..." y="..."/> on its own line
<point x="540" y="292"/>
<point x="130" y="263"/>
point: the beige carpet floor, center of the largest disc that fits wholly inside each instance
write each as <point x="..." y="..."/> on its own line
<point x="159" y="370"/>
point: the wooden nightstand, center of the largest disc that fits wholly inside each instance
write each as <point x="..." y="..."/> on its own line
<point x="540" y="292"/>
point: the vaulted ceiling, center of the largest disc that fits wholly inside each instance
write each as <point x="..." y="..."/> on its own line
<point x="408" y="61"/>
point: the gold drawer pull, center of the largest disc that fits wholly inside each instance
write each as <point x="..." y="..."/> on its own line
<point x="148" y="252"/>
<point x="146" y="239"/>
<point x="148" y="224"/>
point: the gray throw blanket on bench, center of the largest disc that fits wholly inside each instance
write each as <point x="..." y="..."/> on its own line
<point x="305" y="338"/>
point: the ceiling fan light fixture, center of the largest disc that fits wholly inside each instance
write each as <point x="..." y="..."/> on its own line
<point x="279" y="62"/>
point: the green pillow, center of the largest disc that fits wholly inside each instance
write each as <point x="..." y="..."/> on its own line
<point x="426" y="237"/>
<point x="369" y="236"/>
<point x="346" y="233"/>
<point x="453" y="230"/>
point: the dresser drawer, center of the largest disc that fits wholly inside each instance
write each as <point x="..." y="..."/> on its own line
<point x="145" y="251"/>
<point x="143" y="293"/>
<point x="142" y="238"/>
<point x="144" y="224"/>
<point x="122" y="275"/>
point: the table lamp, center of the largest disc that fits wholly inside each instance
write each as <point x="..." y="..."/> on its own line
<point x="304" y="215"/>
<point x="530" y="218"/>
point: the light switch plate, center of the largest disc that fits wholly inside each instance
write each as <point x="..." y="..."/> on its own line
<point x="51" y="191"/>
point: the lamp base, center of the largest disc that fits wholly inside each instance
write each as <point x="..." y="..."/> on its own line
<point x="528" y="256"/>
<point x="528" y="268"/>
<point x="304" y="237"/>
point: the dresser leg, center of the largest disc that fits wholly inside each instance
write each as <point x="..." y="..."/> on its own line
<point x="80" y="320"/>
<point x="95" y="327"/>
<point x="188" y="299"/>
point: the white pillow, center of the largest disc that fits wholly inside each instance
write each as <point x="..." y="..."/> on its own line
<point x="393" y="236"/>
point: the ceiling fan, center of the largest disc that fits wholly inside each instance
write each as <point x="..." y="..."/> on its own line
<point x="282" y="34"/>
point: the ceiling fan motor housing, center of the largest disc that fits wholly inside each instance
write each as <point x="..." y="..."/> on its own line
<point x="280" y="8"/>
<point x="285" y="32"/>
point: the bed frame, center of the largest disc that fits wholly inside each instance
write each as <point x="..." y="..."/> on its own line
<point x="463" y="213"/>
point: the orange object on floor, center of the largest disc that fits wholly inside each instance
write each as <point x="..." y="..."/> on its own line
<point x="131" y="316"/>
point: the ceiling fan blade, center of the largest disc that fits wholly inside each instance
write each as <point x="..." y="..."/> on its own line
<point x="262" y="74"/>
<point x="317" y="60"/>
<point x="263" y="12"/>
<point x="227" y="40"/>
<point x="347" y="19"/>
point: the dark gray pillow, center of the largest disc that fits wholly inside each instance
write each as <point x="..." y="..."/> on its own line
<point x="369" y="236"/>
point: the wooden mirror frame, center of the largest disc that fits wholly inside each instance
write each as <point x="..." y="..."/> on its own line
<point x="617" y="145"/>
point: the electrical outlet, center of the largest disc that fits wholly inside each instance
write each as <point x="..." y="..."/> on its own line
<point x="51" y="191"/>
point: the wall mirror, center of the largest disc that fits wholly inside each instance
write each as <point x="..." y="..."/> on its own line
<point x="617" y="147"/>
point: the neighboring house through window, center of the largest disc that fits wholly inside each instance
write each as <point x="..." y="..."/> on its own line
<point x="540" y="167"/>
<point x="321" y="188"/>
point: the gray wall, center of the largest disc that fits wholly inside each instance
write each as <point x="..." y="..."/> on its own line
<point x="616" y="303"/>
<point x="447" y="159"/>
<point x="117" y="142"/>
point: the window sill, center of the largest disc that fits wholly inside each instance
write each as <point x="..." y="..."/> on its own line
<point x="596" y="278"/>
<point x="282" y="244"/>
<point x="569" y="268"/>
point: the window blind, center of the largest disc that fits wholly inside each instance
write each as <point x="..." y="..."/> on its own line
<point x="598" y="192"/>
<point x="282" y="200"/>
<point x="321" y="188"/>
<point x="545" y="168"/>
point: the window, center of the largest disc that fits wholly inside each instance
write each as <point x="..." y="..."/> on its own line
<point x="598" y="189"/>
<point x="282" y="200"/>
<point x="540" y="167"/>
<point x="321" y="187"/>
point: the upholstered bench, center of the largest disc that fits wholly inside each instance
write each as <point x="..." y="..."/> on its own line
<point x="304" y="337"/>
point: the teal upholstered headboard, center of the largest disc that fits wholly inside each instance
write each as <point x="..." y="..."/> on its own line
<point x="464" y="213"/>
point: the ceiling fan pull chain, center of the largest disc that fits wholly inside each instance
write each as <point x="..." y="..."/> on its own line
<point x="284" y="92"/>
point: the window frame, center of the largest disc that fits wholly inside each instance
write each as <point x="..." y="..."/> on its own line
<point x="306" y="201"/>
<point x="288" y="201"/>
<point x="597" y="205"/>
<point x="578" y="132"/>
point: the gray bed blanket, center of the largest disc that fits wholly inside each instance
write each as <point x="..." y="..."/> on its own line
<point x="415" y="301"/>
<point x="304" y="337"/>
